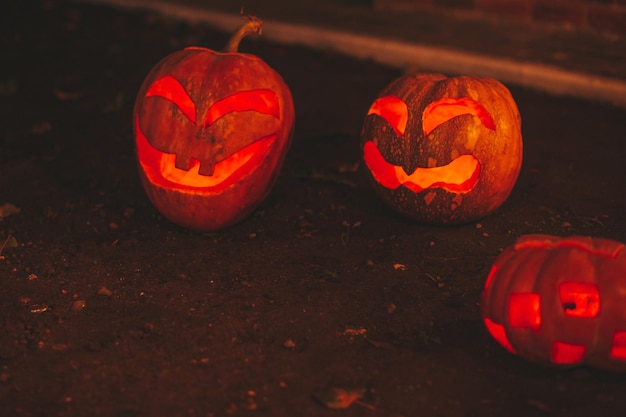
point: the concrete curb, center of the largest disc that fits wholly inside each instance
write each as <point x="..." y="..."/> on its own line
<point x="546" y="78"/>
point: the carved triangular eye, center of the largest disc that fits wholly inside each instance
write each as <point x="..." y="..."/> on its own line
<point x="262" y="101"/>
<point x="440" y="111"/>
<point x="171" y="89"/>
<point x="393" y="110"/>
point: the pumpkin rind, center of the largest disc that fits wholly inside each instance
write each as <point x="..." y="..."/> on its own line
<point x="560" y="301"/>
<point x="489" y="129"/>
<point x="213" y="135"/>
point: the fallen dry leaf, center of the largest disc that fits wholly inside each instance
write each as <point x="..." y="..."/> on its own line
<point x="79" y="305"/>
<point x="8" y="209"/>
<point x="105" y="291"/>
<point x="9" y="242"/>
<point x="340" y="398"/>
<point x="399" y="267"/>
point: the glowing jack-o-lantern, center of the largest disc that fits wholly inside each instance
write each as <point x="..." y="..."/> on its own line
<point x="560" y="301"/>
<point x="443" y="150"/>
<point x="212" y="130"/>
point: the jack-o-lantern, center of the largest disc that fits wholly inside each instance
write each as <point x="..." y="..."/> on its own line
<point x="443" y="150"/>
<point x="212" y="130"/>
<point x="560" y="301"/>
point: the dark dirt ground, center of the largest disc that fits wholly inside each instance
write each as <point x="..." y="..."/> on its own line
<point x="107" y="309"/>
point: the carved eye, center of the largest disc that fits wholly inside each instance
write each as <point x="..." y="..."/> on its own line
<point x="262" y="101"/>
<point x="171" y="89"/>
<point x="442" y="110"/>
<point x="393" y="110"/>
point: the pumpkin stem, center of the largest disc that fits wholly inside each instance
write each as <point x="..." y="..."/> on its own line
<point x="253" y="26"/>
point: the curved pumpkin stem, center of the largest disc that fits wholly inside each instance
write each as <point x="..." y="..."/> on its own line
<point x="253" y="26"/>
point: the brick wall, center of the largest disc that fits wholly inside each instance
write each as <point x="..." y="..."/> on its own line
<point x="607" y="16"/>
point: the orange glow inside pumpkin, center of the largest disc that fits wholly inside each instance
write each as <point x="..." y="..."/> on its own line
<point x="498" y="332"/>
<point x="490" y="277"/>
<point x="525" y="310"/>
<point x="171" y="89"/>
<point x="566" y="353"/>
<point x="262" y="101"/>
<point x="580" y="299"/>
<point x="460" y="175"/>
<point x="442" y="110"/>
<point x="393" y="110"/>
<point x="160" y="167"/>
<point x="618" y="350"/>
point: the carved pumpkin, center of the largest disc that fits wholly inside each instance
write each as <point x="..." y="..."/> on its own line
<point x="560" y="301"/>
<point x="443" y="150"/>
<point x="212" y="130"/>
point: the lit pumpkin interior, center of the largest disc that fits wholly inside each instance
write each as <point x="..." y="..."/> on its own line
<point x="498" y="332"/>
<point x="459" y="176"/>
<point x="580" y="299"/>
<point x="524" y="310"/>
<point x="566" y="353"/>
<point x="618" y="349"/>
<point x="393" y="110"/>
<point x="442" y="110"/>
<point x="160" y="167"/>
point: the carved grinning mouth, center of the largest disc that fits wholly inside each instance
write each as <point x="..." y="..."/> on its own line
<point x="160" y="167"/>
<point x="460" y="175"/>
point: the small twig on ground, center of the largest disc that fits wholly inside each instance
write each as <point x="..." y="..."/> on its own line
<point x="6" y="241"/>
